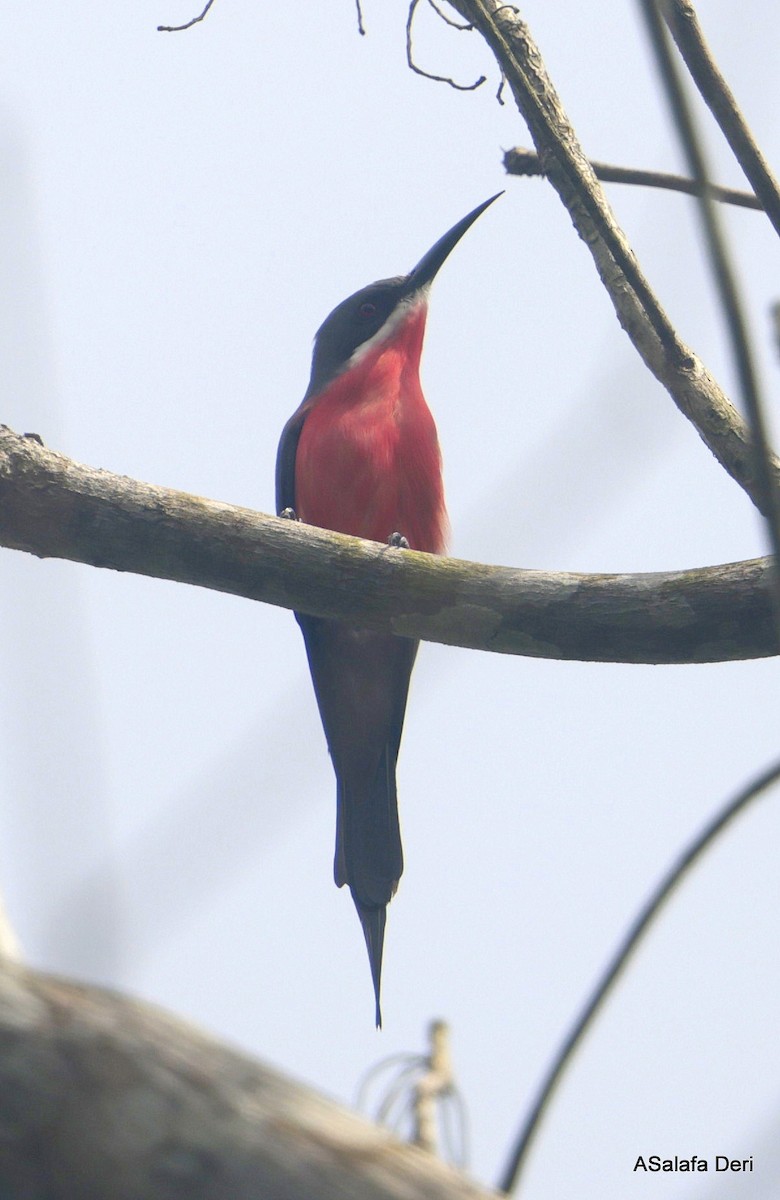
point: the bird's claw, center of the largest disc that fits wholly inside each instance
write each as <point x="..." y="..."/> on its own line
<point x="398" y="541"/>
<point x="289" y="514"/>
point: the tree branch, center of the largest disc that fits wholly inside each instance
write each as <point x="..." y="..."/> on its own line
<point x="695" y="392"/>
<point x="724" y="274"/>
<point x="519" y="161"/>
<point x="459" y="87"/>
<point x="629" y="943"/>
<point x="105" y="1096"/>
<point x="685" y="29"/>
<point x="53" y="507"/>
<point x="187" y="24"/>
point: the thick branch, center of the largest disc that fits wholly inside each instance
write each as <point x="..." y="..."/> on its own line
<point x="53" y="507"/>
<point x="106" y="1097"/>
<point x="695" y="392"/>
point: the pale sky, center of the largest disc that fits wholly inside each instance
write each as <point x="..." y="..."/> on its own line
<point x="180" y="212"/>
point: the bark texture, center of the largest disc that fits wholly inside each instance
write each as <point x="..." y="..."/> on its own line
<point x="53" y="507"/>
<point x="105" y="1098"/>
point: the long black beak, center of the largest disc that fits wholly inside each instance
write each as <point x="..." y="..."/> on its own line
<point x="429" y="264"/>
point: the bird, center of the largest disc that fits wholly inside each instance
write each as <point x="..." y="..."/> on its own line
<point x="360" y="455"/>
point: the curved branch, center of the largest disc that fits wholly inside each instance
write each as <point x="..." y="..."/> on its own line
<point x="187" y="24"/>
<point x="105" y="1096"/>
<point x="459" y="87"/>
<point x="629" y="943"/>
<point x="694" y="391"/>
<point x="53" y="507"/>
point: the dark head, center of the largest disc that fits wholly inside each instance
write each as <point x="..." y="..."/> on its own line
<point x="372" y="313"/>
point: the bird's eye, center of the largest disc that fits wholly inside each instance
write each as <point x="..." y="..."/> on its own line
<point x="367" y="309"/>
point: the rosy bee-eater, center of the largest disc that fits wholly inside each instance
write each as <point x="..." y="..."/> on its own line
<point x="361" y="456"/>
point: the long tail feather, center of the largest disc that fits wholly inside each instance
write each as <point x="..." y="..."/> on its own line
<point x="369" y="857"/>
<point x="361" y="680"/>
<point x="373" y="921"/>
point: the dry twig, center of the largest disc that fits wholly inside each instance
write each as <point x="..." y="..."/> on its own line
<point x="631" y="940"/>
<point x="188" y="24"/>
<point x="519" y="161"/>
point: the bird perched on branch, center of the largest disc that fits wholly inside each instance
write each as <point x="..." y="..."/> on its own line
<point x="361" y="456"/>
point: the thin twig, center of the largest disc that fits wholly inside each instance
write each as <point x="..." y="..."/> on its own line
<point x="647" y="914"/>
<point x="447" y="19"/>
<point x="519" y="161"/>
<point x="361" y="26"/>
<point x="725" y="277"/>
<point x="398" y="1090"/>
<point x="685" y="29"/>
<point x="568" y="170"/>
<point x="406" y="1058"/>
<point x="460" y="87"/>
<point x="454" y="1102"/>
<point x="189" y="25"/>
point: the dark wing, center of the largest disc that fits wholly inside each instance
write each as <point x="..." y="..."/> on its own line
<point x="285" y="459"/>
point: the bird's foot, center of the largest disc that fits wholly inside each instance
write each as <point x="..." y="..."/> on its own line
<point x="289" y="514"/>
<point x="398" y="541"/>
